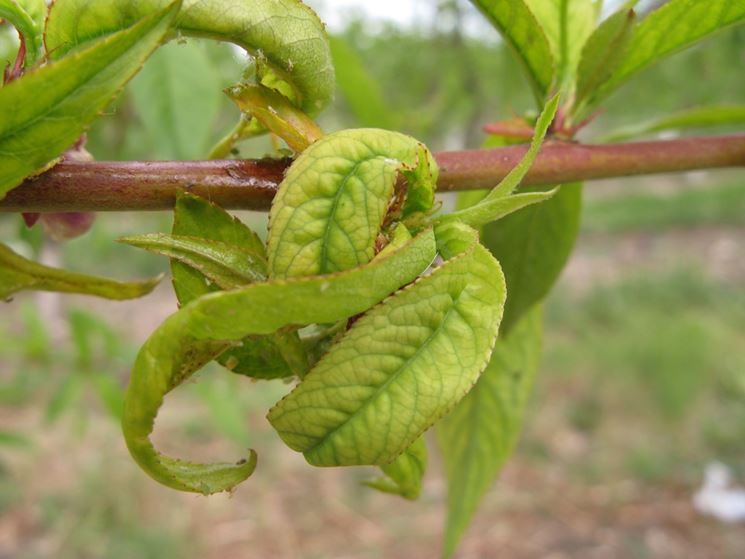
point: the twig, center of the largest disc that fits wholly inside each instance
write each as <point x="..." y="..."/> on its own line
<point x="251" y="184"/>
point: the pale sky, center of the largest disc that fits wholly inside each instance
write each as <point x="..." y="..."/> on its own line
<point x="336" y="12"/>
<point x="402" y="12"/>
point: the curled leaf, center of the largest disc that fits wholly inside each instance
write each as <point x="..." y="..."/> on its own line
<point x="212" y="251"/>
<point x="331" y="206"/>
<point x="402" y="365"/>
<point x="209" y="325"/>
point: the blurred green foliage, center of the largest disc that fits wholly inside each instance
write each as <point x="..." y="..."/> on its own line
<point x="656" y="365"/>
<point x="708" y="205"/>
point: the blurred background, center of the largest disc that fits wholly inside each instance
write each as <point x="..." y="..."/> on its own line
<point x="642" y="387"/>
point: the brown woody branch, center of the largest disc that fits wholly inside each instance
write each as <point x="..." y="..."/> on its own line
<point x="251" y="184"/>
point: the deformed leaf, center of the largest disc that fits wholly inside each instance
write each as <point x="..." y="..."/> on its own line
<point x="237" y="258"/>
<point x="196" y="217"/>
<point x="18" y="274"/>
<point x="478" y="436"/>
<point x="204" y="328"/>
<point x="334" y="199"/>
<point x="404" y="475"/>
<point x="402" y="365"/>
<point x="47" y="109"/>
<point x="520" y="28"/>
<point x="672" y="27"/>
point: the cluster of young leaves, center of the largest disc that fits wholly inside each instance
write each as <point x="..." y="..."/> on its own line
<point x="343" y="298"/>
<point x="390" y="317"/>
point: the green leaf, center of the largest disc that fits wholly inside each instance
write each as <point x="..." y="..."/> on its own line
<point x="478" y="436"/>
<point x="47" y="109"/>
<point x="27" y="16"/>
<point x="236" y="258"/>
<point x="402" y="365"/>
<point x="567" y="24"/>
<point x="498" y="203"/>
<point x="227" y="266"/>
<point x="204" y="328"/>
<point x="18" y="274"/>
<point x="404" y="475"/>
<point x="286" y="37"/>
<point x="603" y="53"/>
<point x="693" y="118"/>
<point x="676" y="25"/>
<point x="335" y="197"/>
<point x="516" y="175"/>
<point x="177" y="101"/>
<point x="519" y="27"/>
<point x="533" y="245"/>
<point x="487" y="211"/>
<point x="360" y="89"/>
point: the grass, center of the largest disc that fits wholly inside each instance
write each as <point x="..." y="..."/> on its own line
<point x="654" y="364"/>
